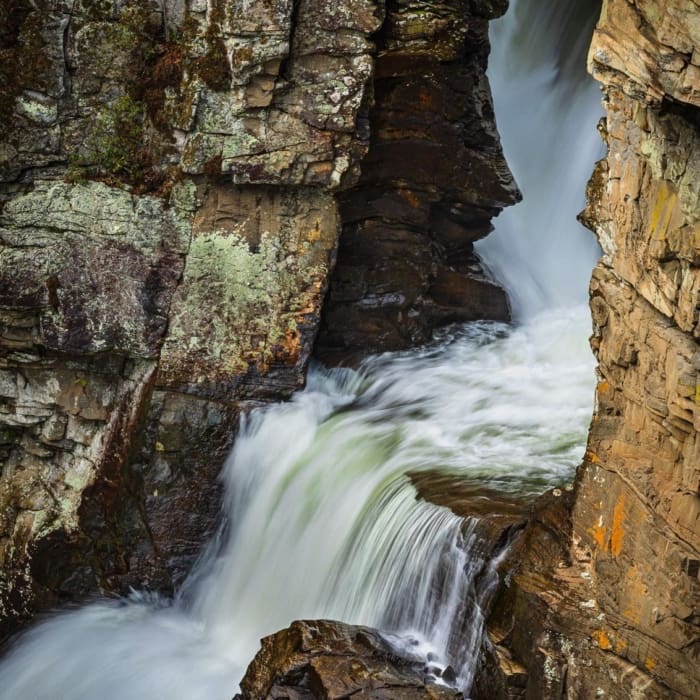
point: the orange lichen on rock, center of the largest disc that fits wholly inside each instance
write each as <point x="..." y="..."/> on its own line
<point x="600" y="533"/>
<point x="592" y="457"/>
<point x="602" y="639"/>
<point x="411" y="198"/>
<point x="620" y="646"/>
<point x="313" y="234"/>
<point x="662" y="211"/>
<point x="289" y="349"/>
<point x="617" y="534"/>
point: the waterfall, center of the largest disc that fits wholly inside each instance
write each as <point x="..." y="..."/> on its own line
<point x="546" y="106"/>
<point x="323" y="520"/>
<point x="325" y="523"/>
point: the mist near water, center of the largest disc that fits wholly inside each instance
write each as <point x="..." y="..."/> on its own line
<point x="321" y="519"/>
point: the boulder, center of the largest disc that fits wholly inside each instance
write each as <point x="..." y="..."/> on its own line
<point x="326" y="660"/>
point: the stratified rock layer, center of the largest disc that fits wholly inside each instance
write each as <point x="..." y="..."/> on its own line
<point x="604" y="602"/>
<point x="167" y="230"/>
<point x="433" y="178"/>
<point x="320" y="660"/>
<point x="169" y="217"/>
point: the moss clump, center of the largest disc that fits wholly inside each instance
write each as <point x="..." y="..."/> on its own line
<point x="213" y="68"/>
<point x="22" y="55"/>
<point x="8" y="436"/>
<point x="163" y="71"/>
<point x="115" y="143"/>
<point x="118" y="151"/>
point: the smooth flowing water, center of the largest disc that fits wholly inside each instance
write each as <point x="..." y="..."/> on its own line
<point x="323" y="520"/>
<point x="546" y="110"/>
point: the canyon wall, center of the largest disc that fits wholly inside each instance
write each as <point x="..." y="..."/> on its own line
<point x="177" y="181"/>
<point x="174" y="177"/>
<point x="602" y="600"/>
<point x="432" y="180"/>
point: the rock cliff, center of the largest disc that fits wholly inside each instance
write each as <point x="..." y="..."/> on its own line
<point x="177" y="180"/>
<point x="431" y="181"/>
<point x="167" y="233"/>
<point x="603" y="599"/>
<point x="174" y="177"/>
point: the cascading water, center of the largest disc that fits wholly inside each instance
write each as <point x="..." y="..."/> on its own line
<point x="324" y="521"/>
<point x="546" y="106"/>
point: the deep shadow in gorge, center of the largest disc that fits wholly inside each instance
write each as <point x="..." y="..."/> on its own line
<point x="431" y="181"/>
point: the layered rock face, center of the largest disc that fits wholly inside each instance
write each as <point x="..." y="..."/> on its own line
<point x="433" y="178"/>
<point x="170" y="179"/>
<point x="167" y="231"/>
<point x="322" y="659"/>
<point x="605" y="600"/>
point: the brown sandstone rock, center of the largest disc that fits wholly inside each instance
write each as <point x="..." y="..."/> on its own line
<point x="604" y="602"/>
<point x="500" y="516"/>
<point x="649" y="49"/>
<point x="328" y="660"/>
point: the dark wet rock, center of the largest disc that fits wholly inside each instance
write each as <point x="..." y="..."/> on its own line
<point x="321" y="659"/>
<point x="169" y="216"/>
<point x="167" y="225"/>
<point x="406" y="262"/>
<point x="501" y="515"/>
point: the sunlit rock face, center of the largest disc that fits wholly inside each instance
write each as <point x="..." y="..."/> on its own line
<point x="170" y="211"/>
<point x="616" y="616"/>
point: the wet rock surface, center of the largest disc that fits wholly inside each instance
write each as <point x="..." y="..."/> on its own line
<point x="167" y="228"/>
<point x="500" y="516"/>
<point x="603" y="598"/>
<point x="406" y="262"/>
<point x="318" y="659"/>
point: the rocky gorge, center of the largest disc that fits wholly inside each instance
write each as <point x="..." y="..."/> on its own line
<point x="169" y="222"/>
<point x="195" y="195"/>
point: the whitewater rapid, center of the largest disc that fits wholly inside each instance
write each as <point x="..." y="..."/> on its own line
<point x="324" y="522"/>
<point x="321" y="519"/>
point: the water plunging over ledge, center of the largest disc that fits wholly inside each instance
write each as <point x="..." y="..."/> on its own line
<point x="325" y="523"/>
<point x="323" y="520"/>
<point x="546" y="110"/>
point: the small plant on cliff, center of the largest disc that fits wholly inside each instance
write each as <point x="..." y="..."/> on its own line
<point x="117" y="138"/>
<point x="213" y="68"/>
<point x="115" y="147"/>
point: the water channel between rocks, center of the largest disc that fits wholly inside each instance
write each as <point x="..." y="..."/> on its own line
<point x="322" y="517"/>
